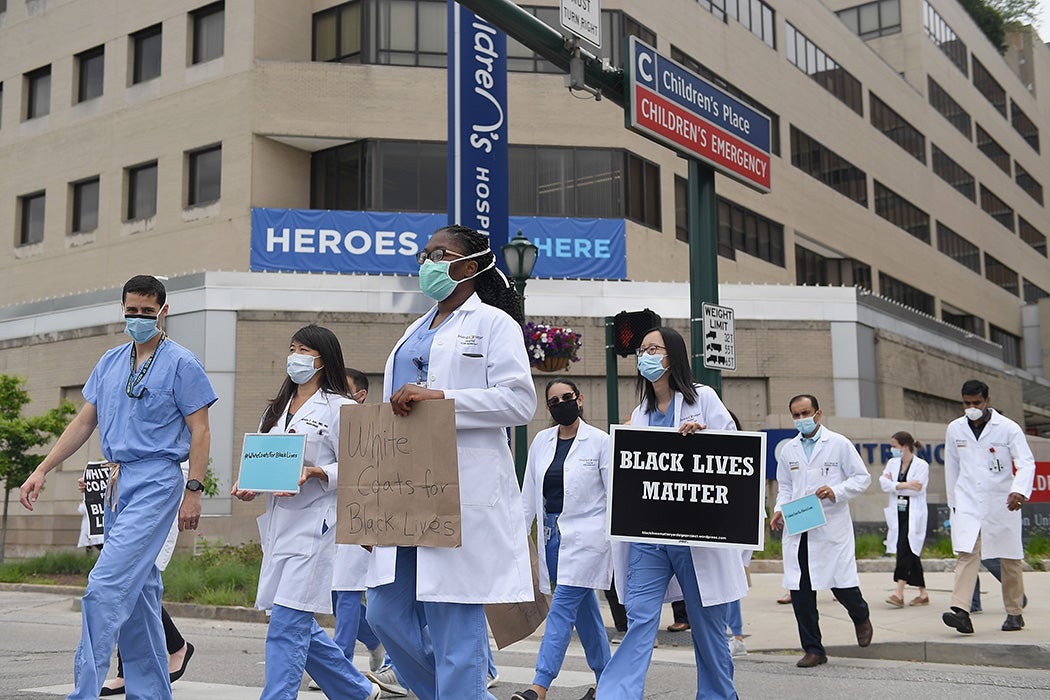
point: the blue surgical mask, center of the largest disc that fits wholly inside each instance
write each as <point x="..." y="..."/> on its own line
<point x="437" y="283"/>
<point x="141" y="328"/>
<point x="896" y="452"/>
<point x="651" y="366"/>
<point x="805" y="425"/>
<point x="301" y="368"/>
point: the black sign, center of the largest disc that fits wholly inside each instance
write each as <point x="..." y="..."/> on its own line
<point x="96" y="478"/>
<point x="704" y="488"/>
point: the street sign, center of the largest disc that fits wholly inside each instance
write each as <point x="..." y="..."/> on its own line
<point x="719" y="337"/>
<point x="669" y="104"/>
<point x="583" y="18"/>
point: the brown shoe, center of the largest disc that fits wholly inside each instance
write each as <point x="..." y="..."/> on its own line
<point x="920" y="600"/>
<point x="811" y="660"/>
<point x="864" y="632"/>
<point x="896" y="601"/>
<point x="785" y="599"/>
<point x="678" y="627"/>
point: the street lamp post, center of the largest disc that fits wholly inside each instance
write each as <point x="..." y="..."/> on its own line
<point x="519" y="255"/>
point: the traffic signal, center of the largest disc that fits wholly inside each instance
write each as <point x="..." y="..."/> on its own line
<point x="629" y="327"/>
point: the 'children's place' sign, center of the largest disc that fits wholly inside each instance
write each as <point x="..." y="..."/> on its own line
<point x="701" y="489"/>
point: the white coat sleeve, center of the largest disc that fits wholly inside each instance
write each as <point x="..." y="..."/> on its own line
<point x="919" y="471"/>
<point x="332" y="438"/>
<point x="1024" y="463"/>
<point x="528" y="487"/>
<point x="887" y="482"/>
<point x="857" y="478"/>
<point x="605" y="461"/>
<point x="951" y="468"/>
<point x="716" y="415"/>
<point x="510" y="397"/>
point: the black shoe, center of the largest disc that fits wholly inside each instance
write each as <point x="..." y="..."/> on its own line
<point x="589" y="695"/>
<point x="110" y="691"/>
<point x="959" y="619"/>
<point x="1013" y="623"/>
<point x="185" y="660"/>
<point x="529" y="694"/>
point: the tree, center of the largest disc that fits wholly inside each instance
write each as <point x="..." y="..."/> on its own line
<point x="20" y="435"/>
<point x="1017" y="12"/>
<point x="988" y="19"/>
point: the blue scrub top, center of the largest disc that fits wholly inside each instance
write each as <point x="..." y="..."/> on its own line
<point x="413" y="352"/>
<point x="153" y="426"/>
<point x="662" y="420"/>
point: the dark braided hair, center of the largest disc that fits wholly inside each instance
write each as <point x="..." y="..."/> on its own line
<point x="489" y="284"/>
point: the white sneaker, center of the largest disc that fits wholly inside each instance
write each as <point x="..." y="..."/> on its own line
<point x="493" y="681"/>
<point x="376" y="693"/>
<point x="736" y="647"/>
<point x="376" y="657"/>
<point x="386" y="679"/>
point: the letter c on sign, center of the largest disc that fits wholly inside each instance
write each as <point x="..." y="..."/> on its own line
<point x="645" y="59"/>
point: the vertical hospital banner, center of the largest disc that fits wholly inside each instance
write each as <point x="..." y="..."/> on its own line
<point x="477" y="125"/>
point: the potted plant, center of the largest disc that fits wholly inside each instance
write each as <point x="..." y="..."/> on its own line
<point x="551" y="348"/>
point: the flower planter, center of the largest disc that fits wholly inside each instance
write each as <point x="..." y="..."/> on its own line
<point x="553" y="364"/>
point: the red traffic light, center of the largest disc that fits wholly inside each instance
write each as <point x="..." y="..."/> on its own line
<point x="629" y="327"/>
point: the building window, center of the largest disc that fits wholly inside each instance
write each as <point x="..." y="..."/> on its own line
<point x="991" y="148"/>
<point x="741" y="229"/>
<point x="142" y="191"/>
<point x="949" y="108"/>
<point x="903" y="293"/>
<point x="209" y="26"/>
<point x="1031" y="236"/>
<point x="958" y="248"/>
<point x="712" y="77"/>
<point x="815" y="269"/>
<point x="616" y="27"/>
<point x="893" y="125"/>
<point x="901" y="213"/>
<point x="31" y="210"/>
<point x="757" y="16"/>
<point x="337" y="33"/>
<point x="988" y="86"/>
<point x="1024" y="126"/>
<point x="337" y="177"/>
<point x="999" y="273"/>
<point x="1010" y="342"/>
<point x="953" y="173"/>
<point x="943" y="36"/>
<point x="681" y="208"/>
<point x="811" y="60"/>
<point x="816" y="160"/>
<point x="962" y="320"/>
<point x="873" y="19"/>
<point x="145" y="47"/>
<point x="997" y="208"/>
<point x="85" y="206"/>
<point x="554" y="181"/>
<point x="715" y="7"/>
<point x="643" y="191"/>
<point x="409" y="32"/>
<point x="38" y="93"/>
<point x="1028" y="183"/>
<point x="1033" y="294"/>
<point x="205" y="175"/>
<point x="90" y="73"/>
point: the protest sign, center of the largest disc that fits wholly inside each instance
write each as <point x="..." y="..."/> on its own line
<point x="399" y="476"/>
<point x="96" y="478"/>
<point x="803" y="514"/>
<point x="512" y="622"/>
<point x="704" y="489"/>
<point x="272" y="462"/>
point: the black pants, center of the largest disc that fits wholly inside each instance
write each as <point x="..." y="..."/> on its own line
<point x="804" y="601"/>
<point x="909" y="566"/>
<point x="619" y="613"/>
<point x="172" y="639"/>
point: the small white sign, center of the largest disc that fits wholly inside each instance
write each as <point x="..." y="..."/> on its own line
<point x="719" y="337"/>
<point x="583" y="18"/>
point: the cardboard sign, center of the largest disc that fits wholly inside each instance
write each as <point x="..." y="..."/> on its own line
<point x="512" y="622"/>
<point x="96" y="479"/>
<point x="272" y="462"/>
<point x="803" y="515"/>
<point x="399" y="477"/>
<point x="704" y="489"/>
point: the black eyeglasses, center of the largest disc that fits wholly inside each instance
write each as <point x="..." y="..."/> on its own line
<point x="436" y="255"/>
<point x="555" y="400"/>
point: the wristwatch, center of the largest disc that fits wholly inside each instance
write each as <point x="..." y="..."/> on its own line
<point x="194" y="485"/>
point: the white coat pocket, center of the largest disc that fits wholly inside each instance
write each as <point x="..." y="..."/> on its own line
<point x="480" y="476"/>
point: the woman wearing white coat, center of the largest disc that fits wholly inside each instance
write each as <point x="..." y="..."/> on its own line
<point x="470" y="348"/>
<point x="905" y="480"/>
<point x="566" y="480"/>
<point x="298" y="530"/>
<point x="710" y="577"/>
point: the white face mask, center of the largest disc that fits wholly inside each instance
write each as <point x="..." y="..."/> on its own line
<point x="301" y="368"/>
<point x="974" y="414"/>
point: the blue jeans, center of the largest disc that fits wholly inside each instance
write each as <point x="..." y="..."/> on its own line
<point x="651" y="567"/>
<point x="570" y="606"/>
<point x="735" y="618"/>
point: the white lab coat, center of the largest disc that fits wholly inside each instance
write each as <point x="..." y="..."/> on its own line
<point x="917" y="511"/>
<point x="978" y="487"/>
<point x="584" y="556"/>
<point x="298" y="532"/>
<point x="478" y="359"/>
<point x="720" y="572"/>
<point x="836" y="463"/>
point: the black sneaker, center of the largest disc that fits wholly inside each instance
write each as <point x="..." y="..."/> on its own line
<point x="959" y="619"/>
<point x="589" y="695"/>
<point x="1013" y="623"/>
<point x="529" y="694"/>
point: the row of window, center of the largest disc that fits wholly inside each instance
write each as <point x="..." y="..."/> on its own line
<point x="144" y="48"/>
<point x="203" y="178"/>
<point x="873" y="19"/>
<point x="944" y="37"/>
<point x="814" y="62"/>
<point x="893" y="125"/>
<point x="756" y="15"/>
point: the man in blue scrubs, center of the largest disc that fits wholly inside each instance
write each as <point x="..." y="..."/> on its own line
<point x="149" y="399"/>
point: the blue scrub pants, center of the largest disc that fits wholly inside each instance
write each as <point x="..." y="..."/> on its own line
<point x="571" y="605"/>
<point x="651" y="568"/>
<point x="735" y="618"/>
<point x="124" y="588"/>
<point x="294" y="642"/>
<point x="350" y="624"/>
<point x="458" y="636"/>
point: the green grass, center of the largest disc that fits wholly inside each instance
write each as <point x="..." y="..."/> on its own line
<point x="45" y="568"/>
<point x="939" y="547"/>
<point x="219" y="575"/>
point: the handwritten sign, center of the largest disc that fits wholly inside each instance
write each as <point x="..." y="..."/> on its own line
<point x="96" y="478"/>
<point x="272" y="462"/>
<point x="399" y="476"/>
<point x="803" y="514"/>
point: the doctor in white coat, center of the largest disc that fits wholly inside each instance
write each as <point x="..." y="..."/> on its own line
<point x="297" y="531"/>
<point x="566" y="480"/>
<point x="988" y="473"/>
<point x="905" y="479"/>
<point x="819" y="461"/>
<point x="470" y="348"/>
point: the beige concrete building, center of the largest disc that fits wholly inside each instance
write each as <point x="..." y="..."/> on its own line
<point x="901" y="250"/>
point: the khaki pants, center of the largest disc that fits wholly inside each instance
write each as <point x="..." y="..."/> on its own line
<point x="966" y="569"/>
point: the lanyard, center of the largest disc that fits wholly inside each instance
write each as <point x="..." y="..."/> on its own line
<point x="135" y="379"/>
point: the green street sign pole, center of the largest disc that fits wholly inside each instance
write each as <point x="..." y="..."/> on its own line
<point x="703" y="264"/>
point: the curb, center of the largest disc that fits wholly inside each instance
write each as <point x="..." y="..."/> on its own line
<point x="1028" y="656"/>
<point x="881" y="565"/>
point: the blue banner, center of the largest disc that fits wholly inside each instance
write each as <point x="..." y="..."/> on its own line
<point x="372" y="242"/>
<point x="477" y="125"/>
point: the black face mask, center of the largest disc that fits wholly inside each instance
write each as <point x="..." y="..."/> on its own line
<point x="565" y="413"/>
